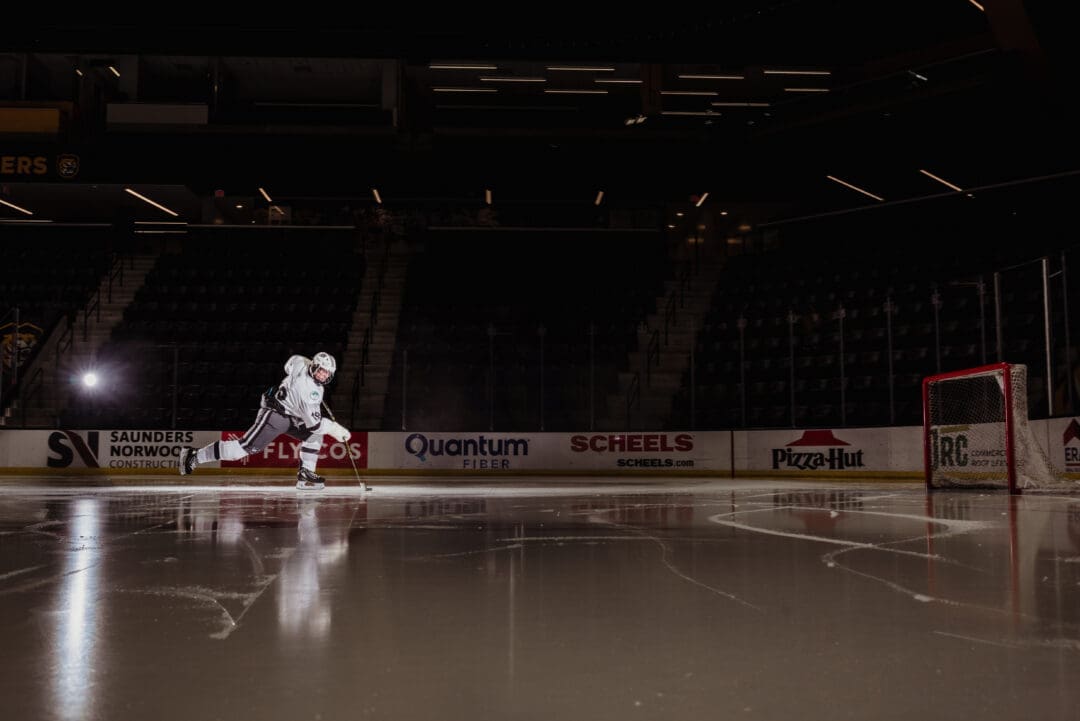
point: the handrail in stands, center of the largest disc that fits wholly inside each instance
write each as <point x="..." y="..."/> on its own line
<point x="633" y="395"/>
<point x="652" y="356"/>
<point x="29" y="390"/>
<point x="117" y="270"/>
<point x="14" y="310"/>
<point x="360" y="377"/>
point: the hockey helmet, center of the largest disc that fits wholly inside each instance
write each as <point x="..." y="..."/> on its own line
<point x="326" y="362"/>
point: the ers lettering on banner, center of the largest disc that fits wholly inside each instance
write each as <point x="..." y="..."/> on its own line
<point x="23" y="165"/>
<point x="632" y="443"/>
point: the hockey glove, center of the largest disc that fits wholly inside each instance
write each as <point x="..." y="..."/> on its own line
<point x="337" y="431"/>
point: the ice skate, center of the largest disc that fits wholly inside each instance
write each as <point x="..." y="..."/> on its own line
<point x="189" y="459"/>
<point x="307" y="481"/>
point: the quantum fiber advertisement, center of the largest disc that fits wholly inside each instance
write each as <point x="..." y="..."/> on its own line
<point x="503" y="452"/>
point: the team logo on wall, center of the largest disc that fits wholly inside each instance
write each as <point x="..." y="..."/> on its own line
<point x="67" y="166"/>
<point x="18" y="348"/>
<point x="1072" y="452"/>
<point x="817" y="451"/>
<point x="65" y="445"/>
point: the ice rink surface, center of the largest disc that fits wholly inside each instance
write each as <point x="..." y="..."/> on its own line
<point x="532" y="599"/>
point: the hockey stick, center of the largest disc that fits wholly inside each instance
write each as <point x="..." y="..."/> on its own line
<point x="348" y="452"/>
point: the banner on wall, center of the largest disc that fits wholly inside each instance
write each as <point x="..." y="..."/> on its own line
<point x="284" y="452"/>
<point x="104" y="449"/>
<point x="1060" y="437"/>
<point x="18" y="349"/>
<point x="154" y="450"/>
<point x="25" y="166"/>
<point x="510" y="452"/>
<point x="811" y="452"/>
<point x="840" y="451"/>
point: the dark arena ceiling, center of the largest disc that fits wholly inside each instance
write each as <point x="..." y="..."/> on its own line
<point x="757" y="103"/>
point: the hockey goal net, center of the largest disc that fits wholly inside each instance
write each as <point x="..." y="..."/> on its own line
<point x="976" y="432"/>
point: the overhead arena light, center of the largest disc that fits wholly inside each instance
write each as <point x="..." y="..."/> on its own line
<point x="264" y="194"/>
<point x="797" y="72"/>
<point x="702" y="199"/>
<point x="855" y="188"/>
<point x="511" y="79"/>
<point x="599" y="198"/>
<point x="12" y="205"/>
<point x="928" y="174"/>
<point x="378" y="198"/>
<point x="712" y="77"/>
<point x="461" y="66"/>
<point x="581" y="68"/>
<point x="143" y="198"/>
<point x="465" y="90"/>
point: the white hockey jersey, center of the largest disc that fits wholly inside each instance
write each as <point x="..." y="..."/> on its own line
<point x="298" y="394"/>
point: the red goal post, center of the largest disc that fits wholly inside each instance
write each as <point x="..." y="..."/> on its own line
<point x="976" y="432"/>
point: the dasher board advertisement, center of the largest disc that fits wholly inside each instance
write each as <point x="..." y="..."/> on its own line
<point x="158" y="451"/>
<point x="839" y="451"/>
<point x="509" y="452"/>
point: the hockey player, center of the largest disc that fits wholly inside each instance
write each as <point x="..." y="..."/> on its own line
<point x="293" y="407"/>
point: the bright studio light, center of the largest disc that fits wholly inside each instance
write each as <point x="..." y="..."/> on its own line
<point x="90" y="379"/>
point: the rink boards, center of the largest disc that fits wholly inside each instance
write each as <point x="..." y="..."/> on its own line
<point x="835" y="453"/>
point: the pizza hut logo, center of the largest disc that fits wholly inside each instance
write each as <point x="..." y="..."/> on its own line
<point x="816" y="451"/>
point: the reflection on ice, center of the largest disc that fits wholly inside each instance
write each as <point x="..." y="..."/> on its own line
<point x="498" y="595"/>
<point x="76" y="611"/>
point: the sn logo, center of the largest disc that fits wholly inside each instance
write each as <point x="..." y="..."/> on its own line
<point x="65" y="444"/>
